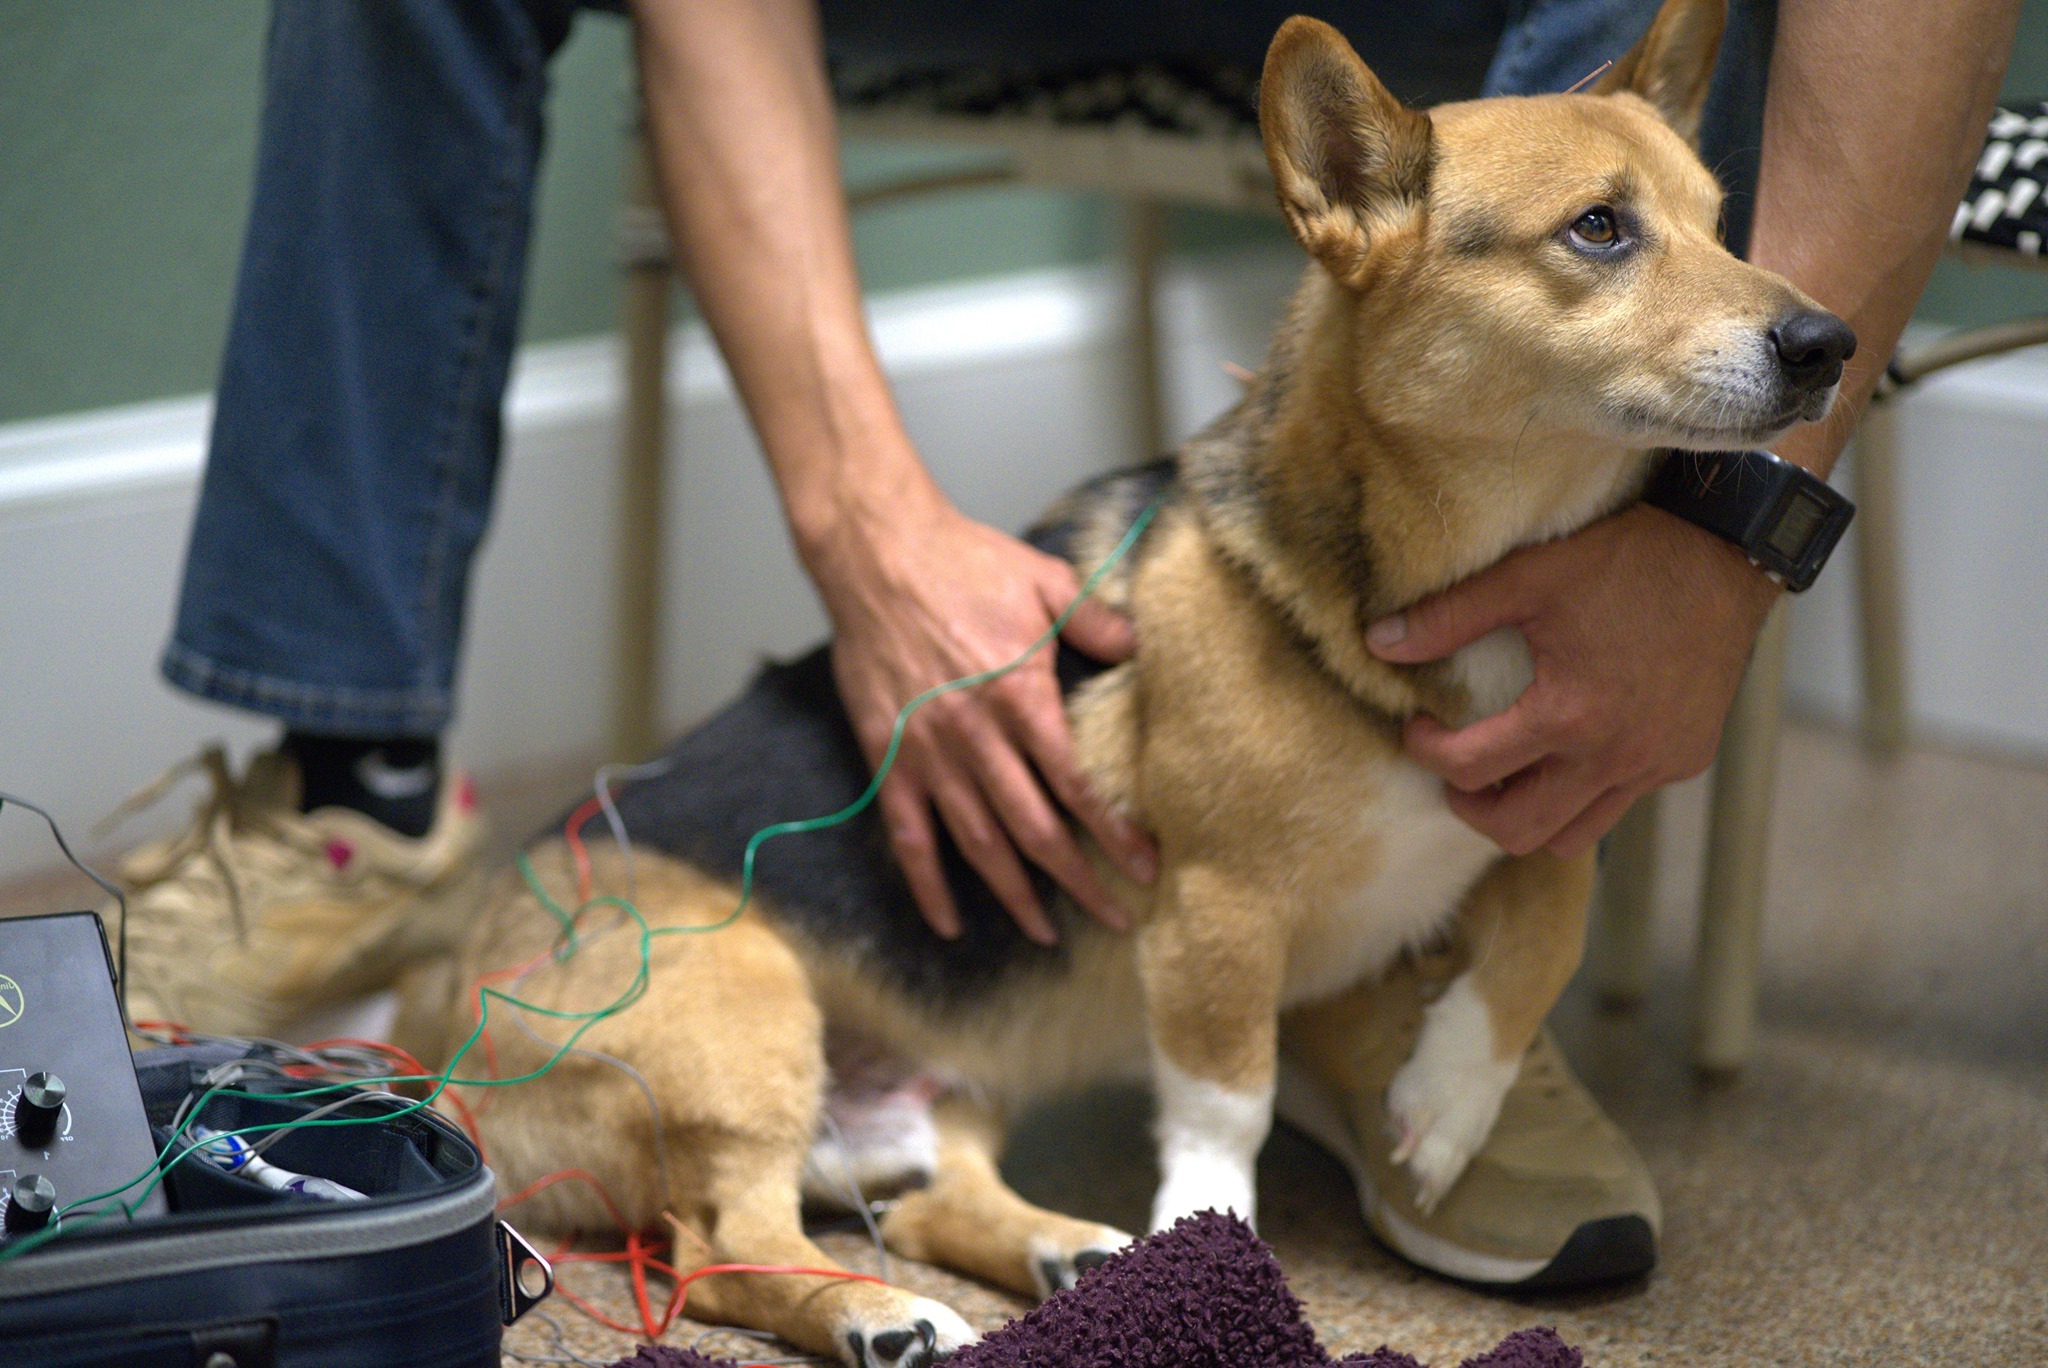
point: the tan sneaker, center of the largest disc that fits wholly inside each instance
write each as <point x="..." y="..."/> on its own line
<point x="258" y="912"/>
<point x="1556" y="1198"/>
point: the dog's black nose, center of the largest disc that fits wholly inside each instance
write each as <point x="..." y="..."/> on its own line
<point x="1812" y="345"/>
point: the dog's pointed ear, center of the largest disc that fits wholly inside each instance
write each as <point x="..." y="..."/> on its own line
<point x="1349" y="160"/>
<point x="1674" y="63"/>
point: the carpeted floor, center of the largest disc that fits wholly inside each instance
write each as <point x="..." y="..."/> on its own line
<point x="1872" y="1190"/>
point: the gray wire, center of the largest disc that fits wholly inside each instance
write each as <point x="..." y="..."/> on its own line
<point x="860" y="1201"/>
<point x="365" y="1067"/>
<point x="561" y="1346"/>
<point x="696" y="1345"/>
<point x="269" y="1138"/>
<point x="603" y="784"/>
<point x="120" y="899"/>
<point x="736" y="1331"/>
<point x="653" y="1107"/>
<point x="223" y="1075"/>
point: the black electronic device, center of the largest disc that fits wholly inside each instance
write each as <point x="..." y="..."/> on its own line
<point x="1783" y="517"/>
<point x="71" y="1118"/>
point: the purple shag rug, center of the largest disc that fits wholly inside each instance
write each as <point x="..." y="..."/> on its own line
<point x="1206" y="1293"/>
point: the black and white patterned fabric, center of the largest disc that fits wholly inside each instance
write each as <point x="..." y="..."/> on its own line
<point x="2004" y="208"/>
<point x="1188" y="98"/>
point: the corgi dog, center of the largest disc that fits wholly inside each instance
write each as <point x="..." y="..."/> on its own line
<point x="1509" y="307"/>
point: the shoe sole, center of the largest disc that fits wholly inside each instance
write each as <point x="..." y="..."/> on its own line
<point x="1607" y="1249"/>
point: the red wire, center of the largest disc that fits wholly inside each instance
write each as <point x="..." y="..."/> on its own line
<point x="490" y="1045"/>
<point x="655" y="1328"/>
<point x="490" y="1060"/>
<point x="675" y="1304"/>
<point x="546" y="1181"/>
<point x="410" y="1062"/>
<point x="402" y="1056"/>
<point x="469" y="1123"/>
<point x="637" y="1261"/>
<point x="639" y="1254"/>
<point x="572" y="833"/>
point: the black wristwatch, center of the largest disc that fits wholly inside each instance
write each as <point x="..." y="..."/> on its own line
<point x="1781" y="516"/>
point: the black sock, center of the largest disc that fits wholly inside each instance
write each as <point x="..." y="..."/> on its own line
<point x="396" y="782"/>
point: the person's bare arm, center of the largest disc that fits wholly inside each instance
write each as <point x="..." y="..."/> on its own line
<point x="1876" y="114"/>
<point x="1641" y="624"/>
<point x="919" y="593"/>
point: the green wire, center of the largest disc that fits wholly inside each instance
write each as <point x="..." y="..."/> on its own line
<point x="442" y="1081"/>
<point x="867" y="797"/>
<point x="565" y="948"/>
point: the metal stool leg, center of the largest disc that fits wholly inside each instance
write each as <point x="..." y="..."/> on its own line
<point x="1144" y="226"/>
<point x="1620" y="953"/>
<point x="1878" y="590"/>
<point x="1738" y="844"/>
<point x="637" y="605"/>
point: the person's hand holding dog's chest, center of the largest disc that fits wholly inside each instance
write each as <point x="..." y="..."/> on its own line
<point x="1639" y="626"/>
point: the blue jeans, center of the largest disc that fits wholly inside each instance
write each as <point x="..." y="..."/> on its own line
<point x="356" y="434"/>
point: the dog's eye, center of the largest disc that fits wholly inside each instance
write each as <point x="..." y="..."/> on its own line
<point x="1595" y="228"/>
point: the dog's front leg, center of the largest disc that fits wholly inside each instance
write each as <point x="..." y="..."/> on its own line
<point x="1210" y="960"/>
<point x="1525" y="922"/>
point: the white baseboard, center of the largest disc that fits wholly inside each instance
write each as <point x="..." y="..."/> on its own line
<point x="1973" y="467"/>
<point x="1014" y="390"/>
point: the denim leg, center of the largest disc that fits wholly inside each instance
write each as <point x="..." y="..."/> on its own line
<point x="1551" y="45"/>
<point x="355" y="438"/>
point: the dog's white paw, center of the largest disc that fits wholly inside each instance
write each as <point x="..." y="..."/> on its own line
<point x="1057" y="1265"/>
<point x="930" y="1332"/>
<point x="1443" y="1103"/>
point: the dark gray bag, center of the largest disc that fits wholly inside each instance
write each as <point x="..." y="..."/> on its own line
<point x="240" y="1276"/>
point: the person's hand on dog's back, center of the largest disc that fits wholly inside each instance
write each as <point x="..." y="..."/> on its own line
<point x="920" y="598"/>
<point x="1639" y="626"/>
<point x="741" y="119"/>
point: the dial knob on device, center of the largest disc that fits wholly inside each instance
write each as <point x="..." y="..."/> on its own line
<point x="36" y="1109"/>
<point x="30" y="1202"/>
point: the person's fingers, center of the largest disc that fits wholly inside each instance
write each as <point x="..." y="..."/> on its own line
<point x="907" y="816"/>
<point x="1459" y="616"/>
<point x="1525" y="813"/>
<point x="1098" y="630"/>
<point x="1038" y="720"/>
<point x="1013" y="790"/>
<point x="1585" y="830"/>
<point x="1481" y="755"/>
<point x="987" y="847"/>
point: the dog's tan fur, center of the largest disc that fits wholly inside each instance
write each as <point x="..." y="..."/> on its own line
<point x="1451" y="381"/>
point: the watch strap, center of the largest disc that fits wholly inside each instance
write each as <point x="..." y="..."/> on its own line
<point x="1781" y="516"/>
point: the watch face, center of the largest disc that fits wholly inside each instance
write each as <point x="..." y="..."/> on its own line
<point x="1794" y="529"/>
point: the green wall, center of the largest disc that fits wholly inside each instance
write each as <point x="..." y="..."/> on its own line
<point x="127" y="133"/>
<point x="127" y="137"/>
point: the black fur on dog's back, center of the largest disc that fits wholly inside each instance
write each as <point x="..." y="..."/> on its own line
<point x="784" y="750"/>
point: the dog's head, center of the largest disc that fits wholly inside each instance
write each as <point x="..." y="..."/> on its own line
<point x="1547" y="266"/>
